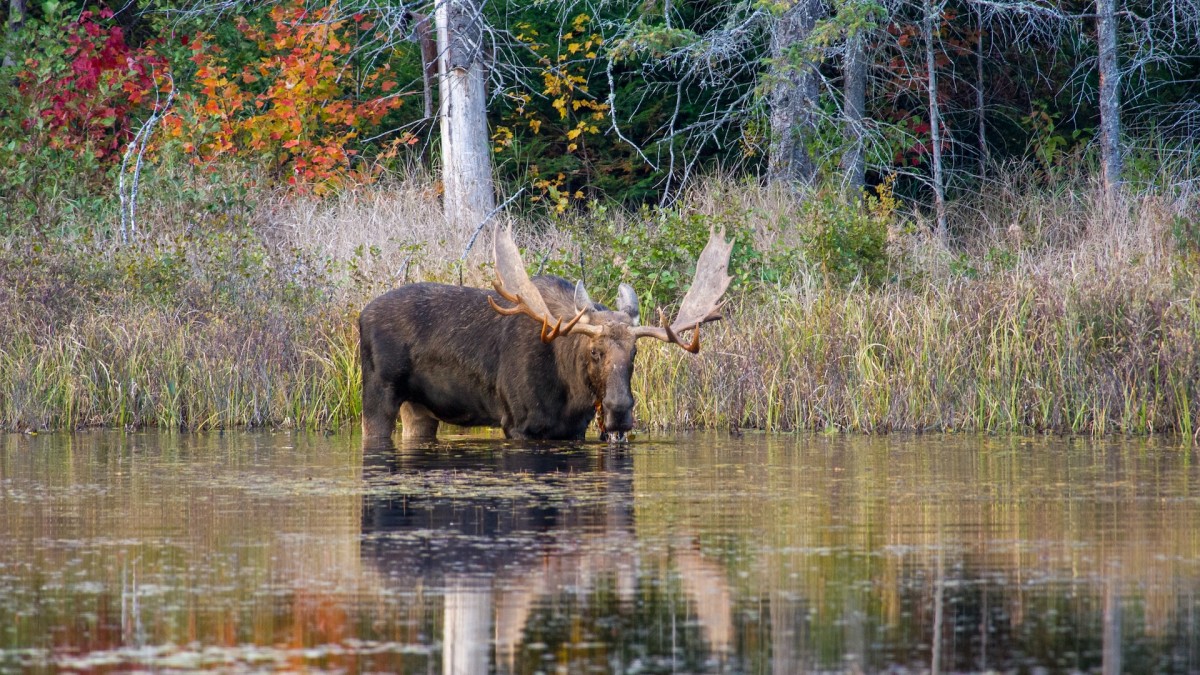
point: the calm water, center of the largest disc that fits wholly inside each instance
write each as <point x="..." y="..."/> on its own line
<point x="690" y="554"/>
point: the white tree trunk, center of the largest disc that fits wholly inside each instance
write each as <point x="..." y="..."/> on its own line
<point x="1110" y="640"/>
<point x="1110" y="96"/>
<point x="854" y="87"/>
<point x="793" y="95"/>
<point x="935" y="124"/>
<point x="466" y="151"/>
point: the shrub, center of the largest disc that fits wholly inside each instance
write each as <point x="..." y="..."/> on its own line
<point x="67" y="113"/>
<point x="850" y="240"/>
<point x="294" y="107"/>
<point x="656" y="253"/>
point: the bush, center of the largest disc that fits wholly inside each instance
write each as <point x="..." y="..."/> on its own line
<point x="656" y="253"/>
<point x="67" y="113"/>
<point x="849" y="244"/>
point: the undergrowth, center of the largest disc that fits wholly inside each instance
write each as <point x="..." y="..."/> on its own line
<point x="1047" y="313"/>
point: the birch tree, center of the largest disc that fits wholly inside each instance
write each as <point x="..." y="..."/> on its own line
<point x="466" y="151"/>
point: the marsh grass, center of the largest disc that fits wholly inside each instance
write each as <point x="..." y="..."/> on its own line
<point x="1052" y="311"/>
<point x="167" y="371"/>
<point x="1009" y="355"/>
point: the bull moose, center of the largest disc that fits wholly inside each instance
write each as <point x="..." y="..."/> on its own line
<point x="438" y="353"/>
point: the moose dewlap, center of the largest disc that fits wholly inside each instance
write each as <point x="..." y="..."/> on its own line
<point x="436" y="353"/>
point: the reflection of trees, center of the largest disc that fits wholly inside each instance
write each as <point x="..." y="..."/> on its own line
<point x="768" y="555"/>
<point x="133" y="540"/>
<point x="539" y="577"/>
<point x="1044" y="553"/>
<point x="223" y="542"/>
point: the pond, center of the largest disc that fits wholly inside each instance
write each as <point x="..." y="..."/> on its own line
<point x="692" y="553"/>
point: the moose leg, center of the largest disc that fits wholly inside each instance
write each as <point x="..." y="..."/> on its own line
<point x="379" y="406"/>
<point x="416" y="422"/>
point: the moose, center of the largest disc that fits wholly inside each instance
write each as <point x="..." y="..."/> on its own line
<point x="437" y="353"/>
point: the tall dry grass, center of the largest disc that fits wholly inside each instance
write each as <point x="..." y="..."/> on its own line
<point x="1051" y="311"/>
<point x="395" y="233"/>
<point x="1065" y="314"/>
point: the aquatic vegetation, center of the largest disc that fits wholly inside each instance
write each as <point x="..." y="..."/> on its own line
<point x="1015" y="355"/>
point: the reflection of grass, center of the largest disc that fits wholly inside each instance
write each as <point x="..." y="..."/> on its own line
<point x="520" y="490"/>
<point x="821" y="545"/>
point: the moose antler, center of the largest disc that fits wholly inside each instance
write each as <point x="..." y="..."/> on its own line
<point x="514" y="285"/>
<point x="703" y="300"/>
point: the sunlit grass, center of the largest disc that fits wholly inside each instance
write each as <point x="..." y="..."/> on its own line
<point x="188" y="375"/>
<point x="1008" y="355"/>
<point x="1064" y="314"/>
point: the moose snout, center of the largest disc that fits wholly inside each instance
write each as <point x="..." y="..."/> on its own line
<point x="618" y="413"/>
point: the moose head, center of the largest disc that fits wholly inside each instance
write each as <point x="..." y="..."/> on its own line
<point x="604" y="342"/>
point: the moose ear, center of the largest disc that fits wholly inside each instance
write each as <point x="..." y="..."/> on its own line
<point x="627" y="301"/>
<point x="582" y="299"/>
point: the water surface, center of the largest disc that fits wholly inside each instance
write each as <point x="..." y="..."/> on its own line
<point x="705" y="553"/>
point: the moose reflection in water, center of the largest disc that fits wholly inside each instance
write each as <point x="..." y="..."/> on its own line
<point x="503" y="566"/>
<point x="759" y="554"/>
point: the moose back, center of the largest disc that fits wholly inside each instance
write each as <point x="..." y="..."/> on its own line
<point x="435" y="353"/>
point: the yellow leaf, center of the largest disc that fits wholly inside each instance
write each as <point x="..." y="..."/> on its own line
<point x="573" y="47"/>
<point x="572" y="134"/>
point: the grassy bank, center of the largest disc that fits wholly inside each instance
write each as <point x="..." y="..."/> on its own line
<point x="1015" y="354"/>
<point x="1050" y="312"/>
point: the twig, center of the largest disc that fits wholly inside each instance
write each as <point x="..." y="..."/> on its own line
<point x="140" y="140"/>
<point x="479" y="228"/>
<point x="488" y="217"/>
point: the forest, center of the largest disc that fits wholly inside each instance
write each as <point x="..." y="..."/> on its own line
<point x="953" y="215"/>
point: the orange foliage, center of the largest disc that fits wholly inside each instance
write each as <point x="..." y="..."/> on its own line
<point x="299" y="107"/>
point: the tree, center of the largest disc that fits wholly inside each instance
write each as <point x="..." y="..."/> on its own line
<point x="935" y="121"/>
<point x="466" y="151"/>
<point x="16" y="19"/>
<point x="980" y="111"/>
<point x="854" y="24"/>
<point x="854" y="88"/>
<point x="793" y="97"/>
<point x="1110" y="95"/>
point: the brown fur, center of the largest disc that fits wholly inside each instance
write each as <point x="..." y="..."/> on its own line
<point x="436" y="353"/>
